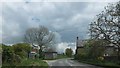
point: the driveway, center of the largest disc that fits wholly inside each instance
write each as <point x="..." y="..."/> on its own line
<point x="68" y="63"/>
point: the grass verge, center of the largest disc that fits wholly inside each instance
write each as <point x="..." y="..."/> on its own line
<point x="104" y="64"/>
<point x="27" y="63"/>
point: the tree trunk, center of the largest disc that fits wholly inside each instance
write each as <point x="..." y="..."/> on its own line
<point x="40" y="52"/>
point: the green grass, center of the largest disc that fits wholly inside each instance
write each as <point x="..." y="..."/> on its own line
<point x="61" y="56"/>
<point x="105" y="64"/>
<point x="33" y="62"/>
<point x="27" y="63"/>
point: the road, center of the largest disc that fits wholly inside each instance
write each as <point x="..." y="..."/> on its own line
<point x="68" y="63"/>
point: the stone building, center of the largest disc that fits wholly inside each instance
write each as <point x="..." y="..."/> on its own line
<point x="110" y="50"/>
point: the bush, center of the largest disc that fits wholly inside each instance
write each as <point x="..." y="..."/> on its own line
<point x="17" y="58"/>
<point x="7" y="54"/>
<point x="22" y="49"/>
<point x="13" y="54"/>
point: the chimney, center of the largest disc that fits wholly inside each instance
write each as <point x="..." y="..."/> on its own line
<point x="77" y="41"/>
<point x="77" y="38"/>
<point x="76" y="45"/>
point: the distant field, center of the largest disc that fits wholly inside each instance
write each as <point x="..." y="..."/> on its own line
<point x="61" y="56"/>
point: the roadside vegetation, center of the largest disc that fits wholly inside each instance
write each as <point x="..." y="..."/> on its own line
<point x="33" y="62"/>
<point x="105" y="64"/>
<point x="28" y="62"/>
<point x="14" y="54"/>
<point x="17" y="56"/>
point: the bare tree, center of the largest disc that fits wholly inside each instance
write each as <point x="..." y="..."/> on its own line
<point x="107" y="25"/>
<point x="29" y="36"/>
<point x="40" y="36"/>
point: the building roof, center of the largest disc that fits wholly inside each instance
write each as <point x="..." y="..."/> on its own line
<point x="80" y="43"/>
<point x="49" y="50"/>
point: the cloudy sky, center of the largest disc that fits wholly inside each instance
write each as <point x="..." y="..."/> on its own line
<point x="67" y="19"/>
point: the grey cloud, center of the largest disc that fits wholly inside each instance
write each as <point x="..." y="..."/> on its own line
<point x="68" y="19"/>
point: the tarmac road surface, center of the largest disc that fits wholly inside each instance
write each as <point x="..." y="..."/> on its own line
<point x="68" y="63"/>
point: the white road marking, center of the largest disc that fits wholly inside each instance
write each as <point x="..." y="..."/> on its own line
<point x="50" y="62"/>
<point x="68" y="63"/>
